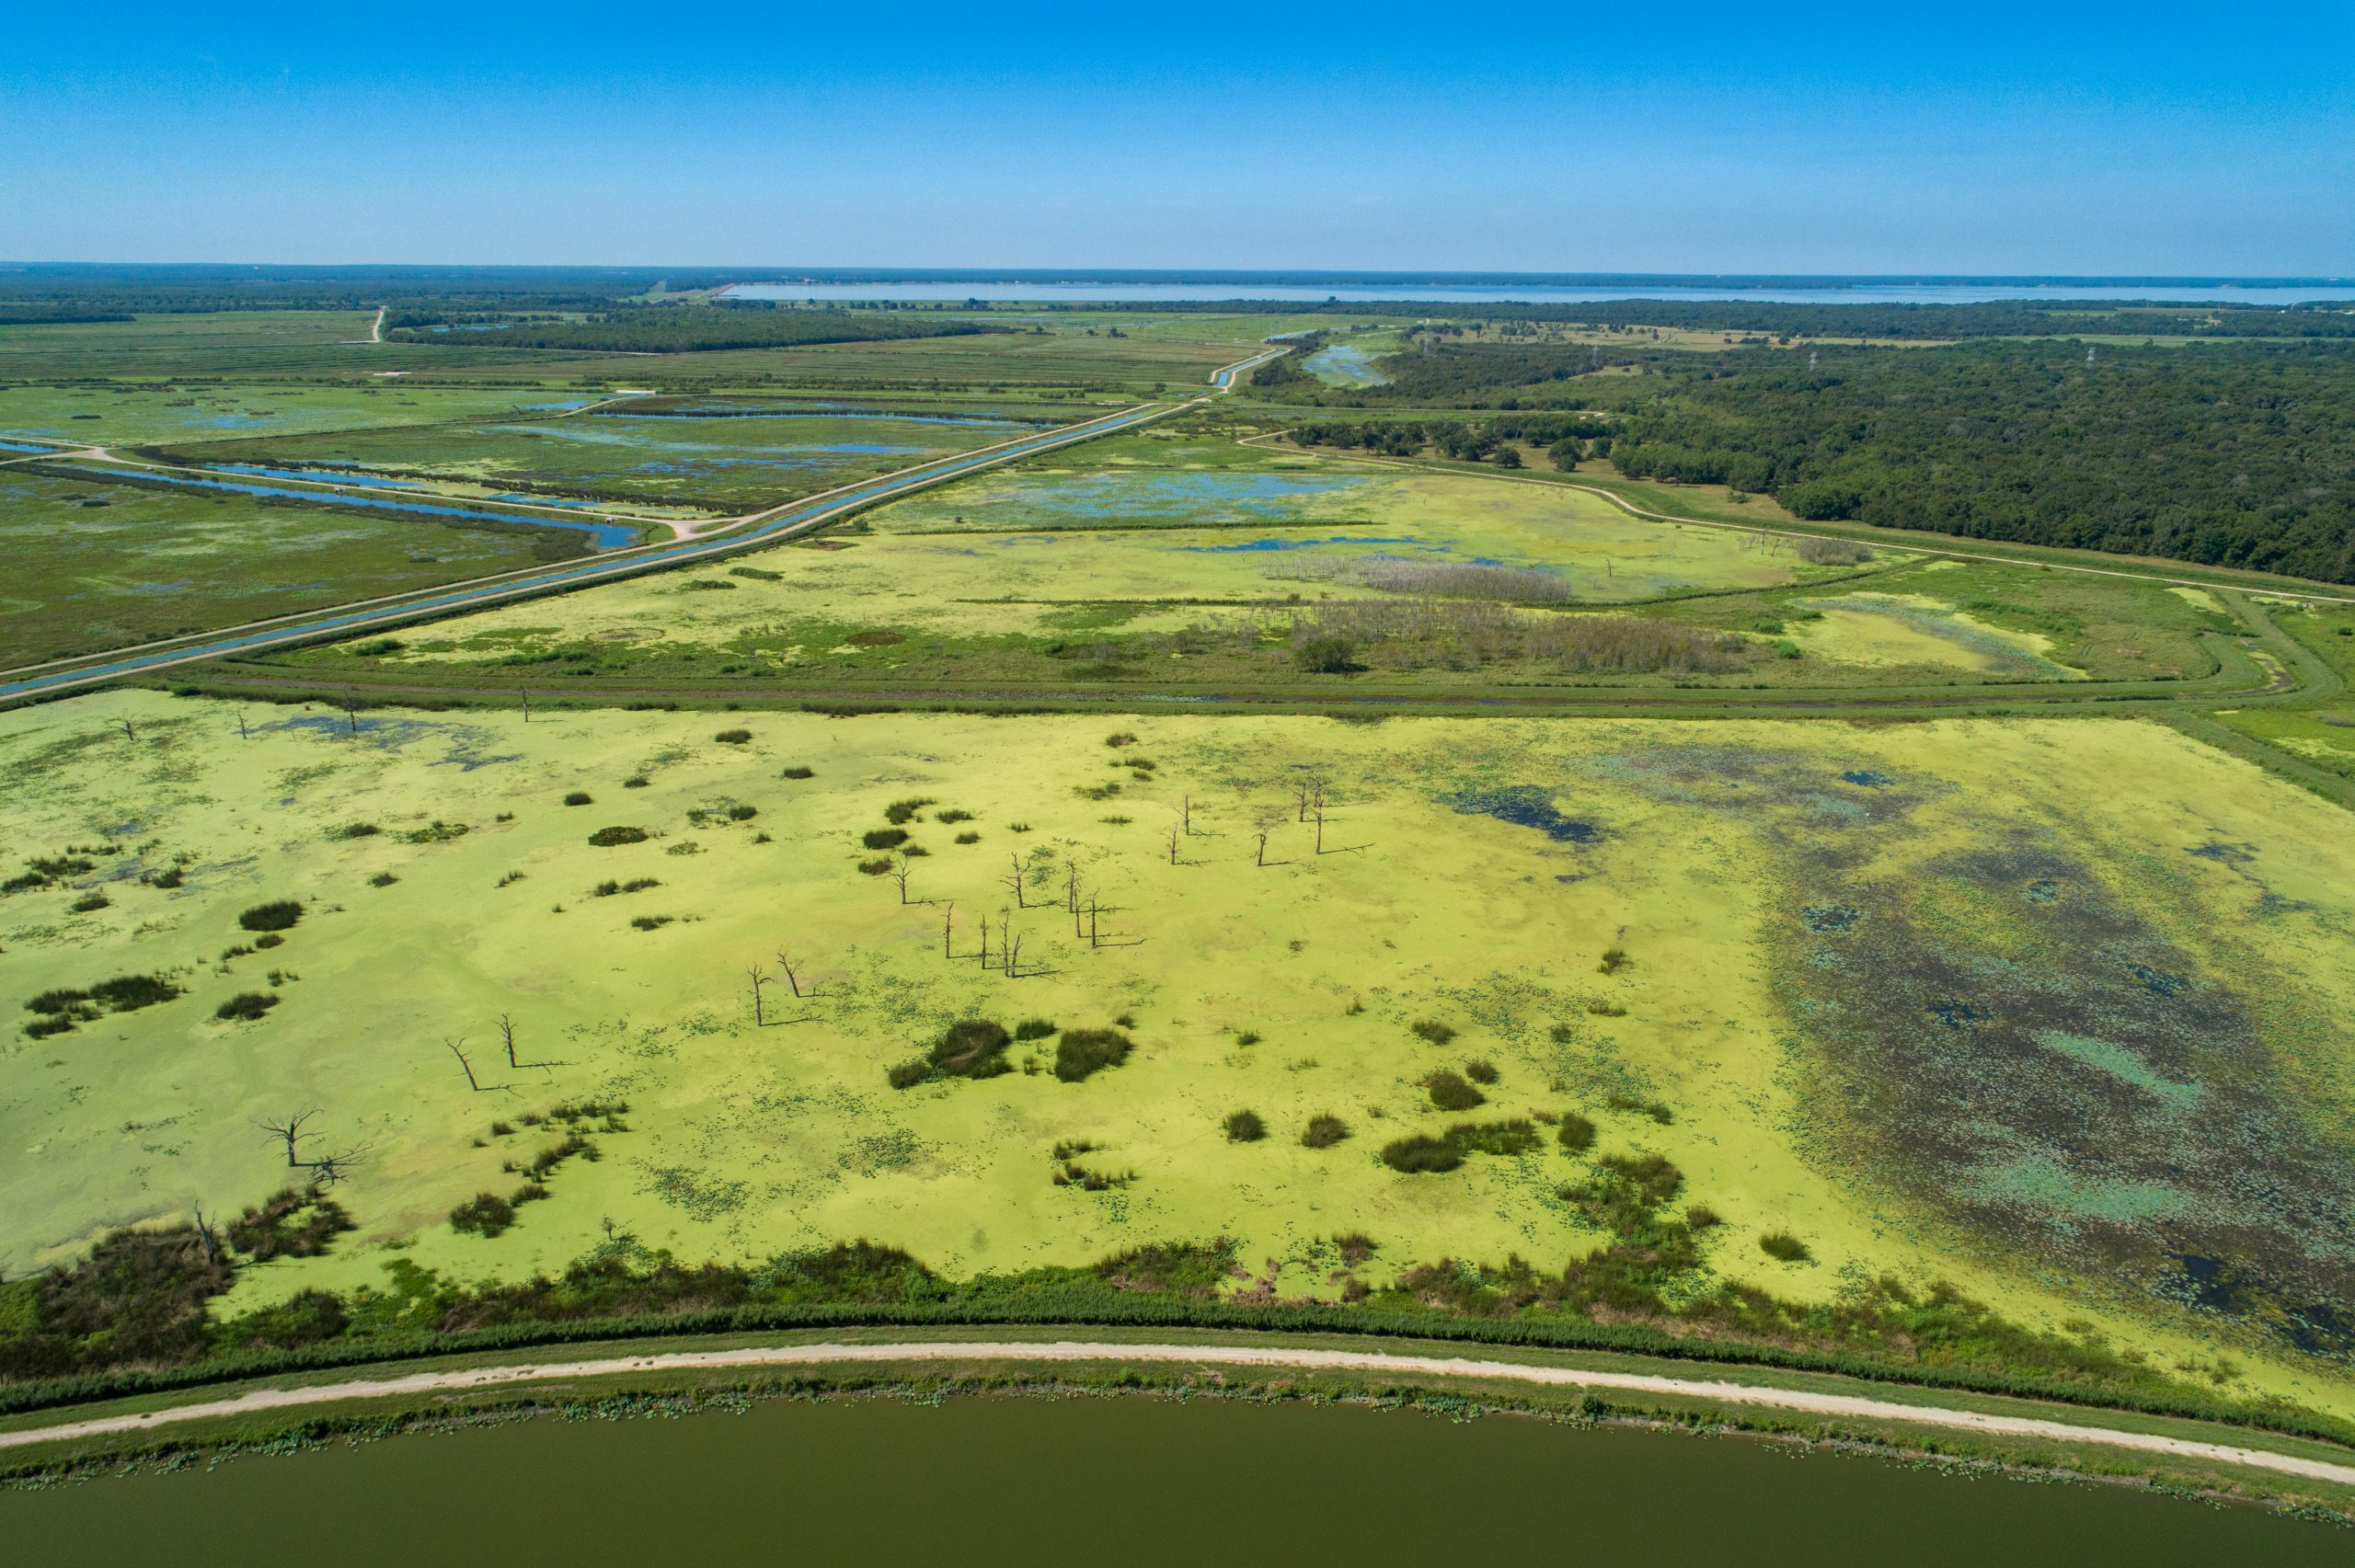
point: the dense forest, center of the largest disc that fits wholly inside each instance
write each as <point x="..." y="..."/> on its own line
<point x="2229" y="454"/>
<point x="665" y="329"/>
<point x="1933" y="323"/>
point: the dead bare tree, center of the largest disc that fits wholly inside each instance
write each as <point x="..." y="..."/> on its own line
<point x="1300" y="802"/>
<point x="1186" y="813"/>
<point x="464" y="1065"/>
<point x="352" y="711"/>
<point x="1320" y="827"/>
<point x="242" y="734"/>
<point x="1004" y="942"/>
<point x="1091" y="922"/>
<point x="1014" y="959"/>
<point x="785" y="962"/>
<point x="207" y="1238"/>
<point x="289" y="1131"/>
<point x="759" y="979"/>
<point x="527" y="706"/>
<point x="948" y="929"/>
<point x="1013" y="880"/>
<point x="507" y="1038"/>
<point x="1261" y="835"/>
<point x="900" y="875"/>
<point x="1173" y="846"/>
<point x="985" y="942"/>
<point x="1071" y="886"/>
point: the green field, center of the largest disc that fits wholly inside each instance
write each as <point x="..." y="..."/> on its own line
<point x="1829" y="937"/>
<point x="1924" y="956"/>
<point x="97" y="565"/>
<point x="722" y="455"/>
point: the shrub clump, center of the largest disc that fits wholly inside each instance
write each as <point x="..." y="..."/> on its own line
<point x="971" y="1047"/>
<point x="578" y="797"/>
<point x="798" y="771"/>
<point x="485" y="1214"/>
<point x="276" y="915"/>
<point x="1327" y="656"/>
<point x="1324" y="1131"/>
<point x="1480" y="1072"/>
<point x="733" y="736"/>
<point x="1421" y="1154"/>
<point x="607" y="838"/>
<point x="1081" y="1052"/>
<point x="1033" y="1029"/>
<point x="1245" y="1127"/>
<point x="291" y="1223"/>
<point x="246" y="1006"/>
<point x="1452" y="1092"/>
<point x="884" y="838"/>
<point x="1784" y="1247"/>
<point x="1576" y="1133"/>
<point x="1434" y="1031"/>
<point x="902" y="812"/>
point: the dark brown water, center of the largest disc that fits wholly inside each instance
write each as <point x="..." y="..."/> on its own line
<point x="1114" y="1481"/>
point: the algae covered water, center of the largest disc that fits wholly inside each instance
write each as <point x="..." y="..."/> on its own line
<point x="1131" y="1481"/>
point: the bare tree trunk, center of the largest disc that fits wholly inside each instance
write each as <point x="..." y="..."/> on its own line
<point x="129" y="733"/>
<point x="290" y="1132"/>
<point x="1186" y="813"/>
<point x="985" y="942"/>
<point x="1173" y="846"/>
<point x="899" y="874"/>
<point x="1300" y="803"/>
<point x="1320" y="827"/>
<point x="464" y="1065"/>
<point x="1014" y="880"/>
<point x="1071" y="886"/>
<point x="1013" y="960"/>
<point x="759" y="979"/>
<point x="948" y="928"/>
<point x="507" y="1034"/>
<point x="1091" y="922"/>
<point x="785" y="962"/>
<point x="242" y="734"/>
<point x="1262" y="857"/>
<point x="527" y="707"/>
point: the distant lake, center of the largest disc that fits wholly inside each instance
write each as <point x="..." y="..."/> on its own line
<point x="1857" y="290"/>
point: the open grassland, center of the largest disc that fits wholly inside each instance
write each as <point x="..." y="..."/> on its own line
<point x="1786" y="1008"/>
<point x="2322" y="733"/>
<point x="95" y="564"/>
<point x="103" y="415"/>
<point x="722" y="455"/>
<point x="1179" y="560"/>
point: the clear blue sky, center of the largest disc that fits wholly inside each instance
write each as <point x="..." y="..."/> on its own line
<point x="2059" y="137"/>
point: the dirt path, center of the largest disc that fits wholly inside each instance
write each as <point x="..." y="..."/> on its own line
<point x="1849" y="1405"/>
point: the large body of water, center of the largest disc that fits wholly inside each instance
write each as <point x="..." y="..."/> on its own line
<point x="1443" y="290"/>
<point x="1111" y="1480"/>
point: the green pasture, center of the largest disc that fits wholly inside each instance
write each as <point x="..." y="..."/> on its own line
<point x="101" y="414"/>
<point x="1826" y="939"/>
<point x="94" y="565"/>
<point x="722" y="455"/>
<point x="1176" y="558"/>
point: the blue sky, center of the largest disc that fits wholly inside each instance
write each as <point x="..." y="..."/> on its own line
<point x="1819" y="138"/>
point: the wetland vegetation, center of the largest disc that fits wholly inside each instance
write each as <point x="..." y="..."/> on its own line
<point x="1747" y="974"/>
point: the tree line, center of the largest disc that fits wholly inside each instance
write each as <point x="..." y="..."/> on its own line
<point x="677" y="328"/>
<point x="2231" y="453"/>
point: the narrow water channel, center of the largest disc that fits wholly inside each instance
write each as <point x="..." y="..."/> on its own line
<point x="1112" y="1481"/>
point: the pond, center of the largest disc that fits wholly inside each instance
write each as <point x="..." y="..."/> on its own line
<point x="1127" y="1481"/>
